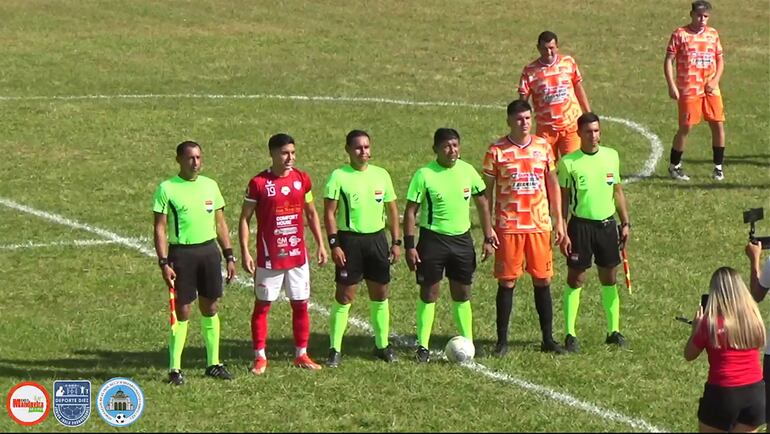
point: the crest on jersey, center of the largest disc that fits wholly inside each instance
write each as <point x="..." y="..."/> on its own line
<point x="209" y="206"/>
<point x="610" y="178"/>
<point x="285" y="190"/>
<point x="297" y="185"/>
<point x="378" y="195"/>
<point x="466" y="193"/>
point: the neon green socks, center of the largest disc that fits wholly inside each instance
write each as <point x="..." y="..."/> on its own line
<point x="425" y="314"/>
<point x="611" y="302"/>
<point x="176" y="339"/>
<point x="571" y="304"/>
<point x="338" y="321"/>
<point x="210" y="329"/>
<point x="380" y="317"/>
<point x="463" y="318"/>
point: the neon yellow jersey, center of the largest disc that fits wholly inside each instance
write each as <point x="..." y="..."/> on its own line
<point x="190" y="207"/>
<point x="444" y="196"/>
<point x="361" y="196"/>
<point x="591" y="179"/>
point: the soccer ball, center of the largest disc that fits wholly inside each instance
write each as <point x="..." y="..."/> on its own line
<point x="120" y="418"/>
<point x="460" y="349"/>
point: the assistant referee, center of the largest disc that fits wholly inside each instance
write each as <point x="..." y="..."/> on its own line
<point x="189" y="215"/>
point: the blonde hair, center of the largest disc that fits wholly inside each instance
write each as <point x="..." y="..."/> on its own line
<point x="730" y="299"/>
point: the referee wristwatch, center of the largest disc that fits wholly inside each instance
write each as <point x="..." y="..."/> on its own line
<point x="162" y="262"/>
<point x="626" y="224"/>
<point x="398" y="242"/>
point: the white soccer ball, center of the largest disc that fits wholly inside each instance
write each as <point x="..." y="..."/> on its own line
<point x="120" y="418"/>
<point x="460" y="349"/>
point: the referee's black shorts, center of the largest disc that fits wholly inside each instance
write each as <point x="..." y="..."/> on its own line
<point x="593" y="238"/>
<point x="366" y="257"/>
<point x="438" y="252"/>
<point x="198" y="269"/>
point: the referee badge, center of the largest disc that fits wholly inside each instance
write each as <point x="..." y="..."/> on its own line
<point x="378" y="195"/>
<point x="209" y="206"/>
<point x="466" y="193"/>
<point x="610" y="178"/>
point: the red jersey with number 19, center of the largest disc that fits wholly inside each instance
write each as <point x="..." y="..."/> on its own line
<point x="280" y="227"/>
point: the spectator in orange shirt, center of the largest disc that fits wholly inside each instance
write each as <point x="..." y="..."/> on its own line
<point x="555" y="84"/>
<point x="696" y="51"/>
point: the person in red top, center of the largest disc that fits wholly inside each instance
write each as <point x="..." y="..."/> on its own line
<point x="696" y="51"/>
<point x="730" y="328"/>
<point x="279" y="196"/>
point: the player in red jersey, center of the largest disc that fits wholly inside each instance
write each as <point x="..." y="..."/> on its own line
<point x="279" y="196"/>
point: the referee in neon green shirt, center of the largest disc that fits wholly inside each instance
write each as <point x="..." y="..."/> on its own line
<point x="189" y="215"/>
<point x="354" y="200"/>
<point x="591" y="194"/>
<point x="442" y="190"/>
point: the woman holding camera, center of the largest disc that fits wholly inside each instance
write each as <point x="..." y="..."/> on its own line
<point x="731" y="330"/>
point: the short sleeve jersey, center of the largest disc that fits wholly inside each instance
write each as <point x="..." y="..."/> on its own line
<point x="728" y="367"/>
<point x="695" y="55"/>
<point x="591" y="179"/>
<point x="519" y="171"/>
<point x="189" y="207"/>
<point x="444" y="196"/>
<point x="552" y="88"/>
<point x="361" y="195"/>
<point x="279" y="208"/>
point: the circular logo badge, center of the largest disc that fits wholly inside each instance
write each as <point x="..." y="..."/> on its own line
<point x="120" y="402"/>
<point x="28" y="403"/>
<point x="72" y="401"/>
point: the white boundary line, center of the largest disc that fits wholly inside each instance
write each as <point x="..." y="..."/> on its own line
<point x="656" y="147"/>
<point x="76" y="243"/>
<point x="537" y="389"/>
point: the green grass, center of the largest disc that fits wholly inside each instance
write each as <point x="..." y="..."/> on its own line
<point x="99" y="312"/>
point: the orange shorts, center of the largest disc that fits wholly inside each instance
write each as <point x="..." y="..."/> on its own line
<point x="691" y="109"/>
<point x="515" y="249"/>
<point x="562" y="141"/>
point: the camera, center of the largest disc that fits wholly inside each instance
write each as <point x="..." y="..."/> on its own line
<point x="751" y="217"/>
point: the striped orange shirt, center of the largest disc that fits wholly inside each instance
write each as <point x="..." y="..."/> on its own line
<point x="696" y="59"/>
<point x="552" y="88"/>
<point x="519" y="170"/>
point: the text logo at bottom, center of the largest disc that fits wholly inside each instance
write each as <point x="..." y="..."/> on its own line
<point x="72" y="402"/>
<point x="120" y="402"/>
<point x="28" y="403"/>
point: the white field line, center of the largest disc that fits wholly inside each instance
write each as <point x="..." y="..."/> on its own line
<point x="76" y="243"/>
<point x="536" y="389"/>
<point x="656" y="147"/>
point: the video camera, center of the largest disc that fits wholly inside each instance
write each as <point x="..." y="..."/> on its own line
<point x="751" y="217"/>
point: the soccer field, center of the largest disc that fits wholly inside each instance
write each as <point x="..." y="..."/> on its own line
<point x="95" y="96"/>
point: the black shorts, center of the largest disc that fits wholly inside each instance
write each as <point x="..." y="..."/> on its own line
<point x="453" y="253"/>
<point x="591" y="238"/>
<point x="198" y="269"/>
<point x="723" y="407"/>
<point x="366" y="257"/>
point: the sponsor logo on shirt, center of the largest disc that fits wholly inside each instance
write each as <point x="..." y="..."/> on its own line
<point x="285" y="220"/>
<point x="555" y="94"/>
<point x="286" y="231"/>
<point x="282" y="242"/>
<point x="295" y="252"/>
<point x="701" y="59"/>
<point x="526" y="181"/>
<point x="285" y="190"/>
<point x="294" y="241"/>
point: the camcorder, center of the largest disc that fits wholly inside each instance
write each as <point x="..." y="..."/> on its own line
<point x="751" y="217"/>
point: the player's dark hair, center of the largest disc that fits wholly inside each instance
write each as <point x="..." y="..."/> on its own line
<point x="443" y="134"/>
<point x="180" y="148"/>
<point x="518" y="106"/>
<point x="354" y="134"/>
<point x="547" y="37"/>
<point x="278" y="141"/>
<point x="587" y="118"/>
<point x="700" y="5"/>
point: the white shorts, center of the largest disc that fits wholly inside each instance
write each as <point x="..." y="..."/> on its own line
<point x="295" y="282"/>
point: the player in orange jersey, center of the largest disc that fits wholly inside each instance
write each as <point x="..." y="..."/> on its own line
<point x="555" y="84"/>
<point x="697" y="53"/>
<point x="520" y="171"/>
